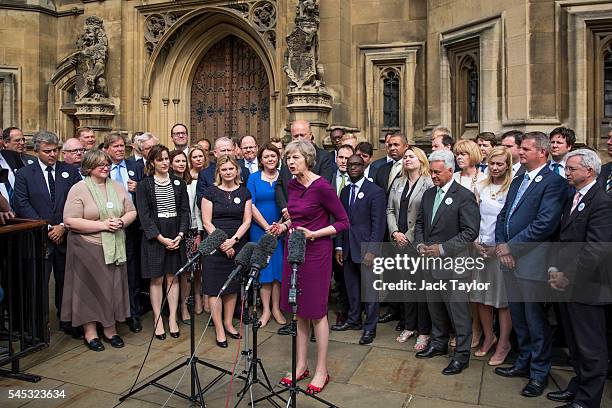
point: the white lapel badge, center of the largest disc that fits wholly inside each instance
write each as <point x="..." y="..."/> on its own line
<point x="30" y="161"/>
<point x="131" y="173"/>
<point x="581" y="207"/>
<point x="109" y="205"/>
<point x="360" y="195"/>
<point x="237" y="200"/>
<point x="538" y="179"/>
<point x="177" y="183"/>
<point x="448" y="201"/>
<point x="65" y="174"/>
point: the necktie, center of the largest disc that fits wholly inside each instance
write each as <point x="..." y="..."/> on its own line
<point x="9" y="190"/>
<point x="483" y="167"/>
<point x="395" y="170"/>
<point x="342" y="184"/>
<point x="250" y="166"/>
<point x="51" y="183"/>
<point x="118" y="177"/>
<point x="577" y="198"/>
<point x="556" y="167"/>
<point x="519" y="194"/>
<point x="436" y="204"/>
<point x="352" y="200"/>
<point x="609" y="183"/>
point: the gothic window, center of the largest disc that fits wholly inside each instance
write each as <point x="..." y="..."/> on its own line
<point x="464" y="66"/>
<point x="391" y="100"/>
<point x="472" y="94"/>
<point x="607" y="85"/>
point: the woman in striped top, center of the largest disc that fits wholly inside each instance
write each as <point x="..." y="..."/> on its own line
<point x="163" y="209"/>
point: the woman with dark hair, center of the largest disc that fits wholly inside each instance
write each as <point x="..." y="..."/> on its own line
<point x="265" y="213"/>
<point x="97" y="211"/>
<point x="311" y="203"/>
<point x="226" y="205"/>
<point x="180" y="168"/>
<point x="163" y="210"/>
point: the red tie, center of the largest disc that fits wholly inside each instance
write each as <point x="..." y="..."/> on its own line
<point x="576" y="201"/>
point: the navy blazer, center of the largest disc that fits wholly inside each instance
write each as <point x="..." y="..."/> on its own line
<point x="606" y="169"/>
<point x="12" y="159"/>
<point x="206" y="178"/>
<point x="135" y="172"/>
<point x="31" y="198"/>
<point x="367" y="221"/>
<point x="534" y="220"/>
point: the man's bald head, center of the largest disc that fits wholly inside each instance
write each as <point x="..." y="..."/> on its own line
<point x="300" y="130"/>
<point x="73" y="151"/>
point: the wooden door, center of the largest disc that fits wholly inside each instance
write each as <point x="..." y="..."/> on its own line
<point x="230" y="94"/>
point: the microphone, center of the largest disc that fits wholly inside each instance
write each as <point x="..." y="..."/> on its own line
<point x="207" y="247"/>
<point x="261" y="256"/>
<point x="296" y="251"/>
<point x="243" y="261"/>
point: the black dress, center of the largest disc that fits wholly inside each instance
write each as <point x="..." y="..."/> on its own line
<point x="227" y="215"/>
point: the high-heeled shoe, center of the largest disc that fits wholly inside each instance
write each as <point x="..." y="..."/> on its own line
<point x="222" y="344"/>
<point x="235" y="336"/>
<point x="161" y="336"/>
<point x="481" y="352"/>
<point x="313" y="389"/>
<point x="499" y="359"/>
<point x="286" y="381"/>
<point x="175" y="334"/>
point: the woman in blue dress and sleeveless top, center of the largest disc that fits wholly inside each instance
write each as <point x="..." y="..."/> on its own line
<point x="265" y="213"/>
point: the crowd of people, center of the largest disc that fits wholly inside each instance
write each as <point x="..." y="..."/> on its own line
<point x="119" y="226"/>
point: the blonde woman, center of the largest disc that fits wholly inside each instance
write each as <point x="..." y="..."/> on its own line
<point x="403" y="206"/>
<point x="492" y="194"/>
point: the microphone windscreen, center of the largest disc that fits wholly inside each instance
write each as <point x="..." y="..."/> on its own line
<point x="243" y="258"/>
<point x="212" y="242"/>
<point x="260" y="257"/>
<point x="296" y="247"/>
<point x="267" y="243"/>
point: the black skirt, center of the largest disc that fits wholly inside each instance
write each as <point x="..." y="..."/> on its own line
<point x="156" y="261"/>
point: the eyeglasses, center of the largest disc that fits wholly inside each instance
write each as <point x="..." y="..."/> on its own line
<point x="74" y="151"/>
<point x="179" y="133"/>
<point x="249" y="148"/>
<point x="103" y="166"/>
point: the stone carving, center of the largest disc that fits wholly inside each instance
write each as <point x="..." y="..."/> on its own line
<point x="302" y="57"/>
<point x="156" y="26"/>
<point x="261" y="14"/>
<point x="90" y="60"/>
<point x="264" y="15"/>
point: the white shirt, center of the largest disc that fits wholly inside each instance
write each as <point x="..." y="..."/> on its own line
<point x="389" y="159"/>
<point x="339" y="181"/>
<point x="11" y="175"/>
<point x="43" y="167"/>
<point x="584" y="190"/>
<point x="124" y="173"/>
<point x="366" y="173"/>
<point x="444" y="191"/>
<point x="253" y="166"/>
<point x="533" y="174"/>
<point x="561" y="168"/>
<point x="515" y="168"/>
<point x="395" y="170"/>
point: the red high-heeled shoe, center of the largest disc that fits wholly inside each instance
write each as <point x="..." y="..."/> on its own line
<point x="313" y="389"/>
<point x="286" y="381"/>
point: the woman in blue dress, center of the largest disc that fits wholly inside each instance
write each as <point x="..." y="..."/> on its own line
<point x="265" y="212"/>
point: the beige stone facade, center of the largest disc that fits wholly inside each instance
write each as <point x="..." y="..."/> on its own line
<point x="470" y="65"/>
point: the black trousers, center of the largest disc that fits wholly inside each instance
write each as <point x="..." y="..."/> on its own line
<point x="353" y="280"/>
<point x="133" y="235"/>
<point x="55" y="261"/>
<point x="585" y="331"/>
<point x="342" y="304"/>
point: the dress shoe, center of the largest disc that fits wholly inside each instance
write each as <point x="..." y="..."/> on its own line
<point x="367" y="337"/>
<point x="561" y="396"/>
<point x="340" y="318"/>
<point x="160" y="336"/>
<point x="512" y="372"/>
<point x="571" y="405"/>
<point x="387" y="317"/>
<point x="222" y="344"/>
<point x="175" y="335"/>
<point x="313" y="389"/>
<point x="455" y="367"/>
<point x="430" y="352"/>
<point x="235" y="336"/>
<point x="346" y="326"/>
<point x="115" y="341"/>
<point x="534" y="388"/>
<point x="94" y="344"/>
<point x="134" y="324"/>
<point x="284" y="330"/>
<point x="400" y="325"/>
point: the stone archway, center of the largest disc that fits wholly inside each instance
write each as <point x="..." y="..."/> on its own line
<point x="230" y="93"/>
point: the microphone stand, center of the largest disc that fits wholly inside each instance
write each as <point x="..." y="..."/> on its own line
<point x="197" y="392"/>
<point x="294" y="390"/>
<point x="253" y="362"/>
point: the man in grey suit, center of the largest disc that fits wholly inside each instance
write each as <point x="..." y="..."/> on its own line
<point x="448" y="221"/>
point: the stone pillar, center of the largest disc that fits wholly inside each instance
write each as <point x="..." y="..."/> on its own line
<point x="314" y="106"/>
<point x="98" y="114"/>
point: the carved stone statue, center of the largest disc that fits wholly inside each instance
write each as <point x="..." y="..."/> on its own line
<point x="90" y="60"/>
<point x="302" y="58"/>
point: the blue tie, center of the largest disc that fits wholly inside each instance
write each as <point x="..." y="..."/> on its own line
<point x="556" y="167"/>
<point x="483" y="167"/>
<point x="517" y="199"/>
<point x="9" y="190"/>
<point x="118" y="176"/>
<point x="352" y="200"/>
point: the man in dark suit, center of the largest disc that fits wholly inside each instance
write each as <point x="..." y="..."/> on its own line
<point x="206" y="177"/>
<point x="447" y="222"/>
<point x="530" y="215"/>
<point x="15" y="141"/>
<point x="249" y="148"/>
<point x="128" y="173"/>
<point x="582" y="271"/>
<point x="511" y="140"/>
<point x="40" y="194"/>
<point x="9" y="163"/>
<point x="378" y="163"/>
<point x="397" y="144"/>
<point x="324" y="163"/>
<point x="605" y="177"/>
<point x="142" y="145"/>
<point x="365" y="205"/>
<point x="365" y="150"/>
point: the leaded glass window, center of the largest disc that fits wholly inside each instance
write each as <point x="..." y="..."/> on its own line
<point x="391" y="103"/>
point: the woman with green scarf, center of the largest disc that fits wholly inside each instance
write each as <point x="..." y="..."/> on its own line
<point x="96" y="287"/>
